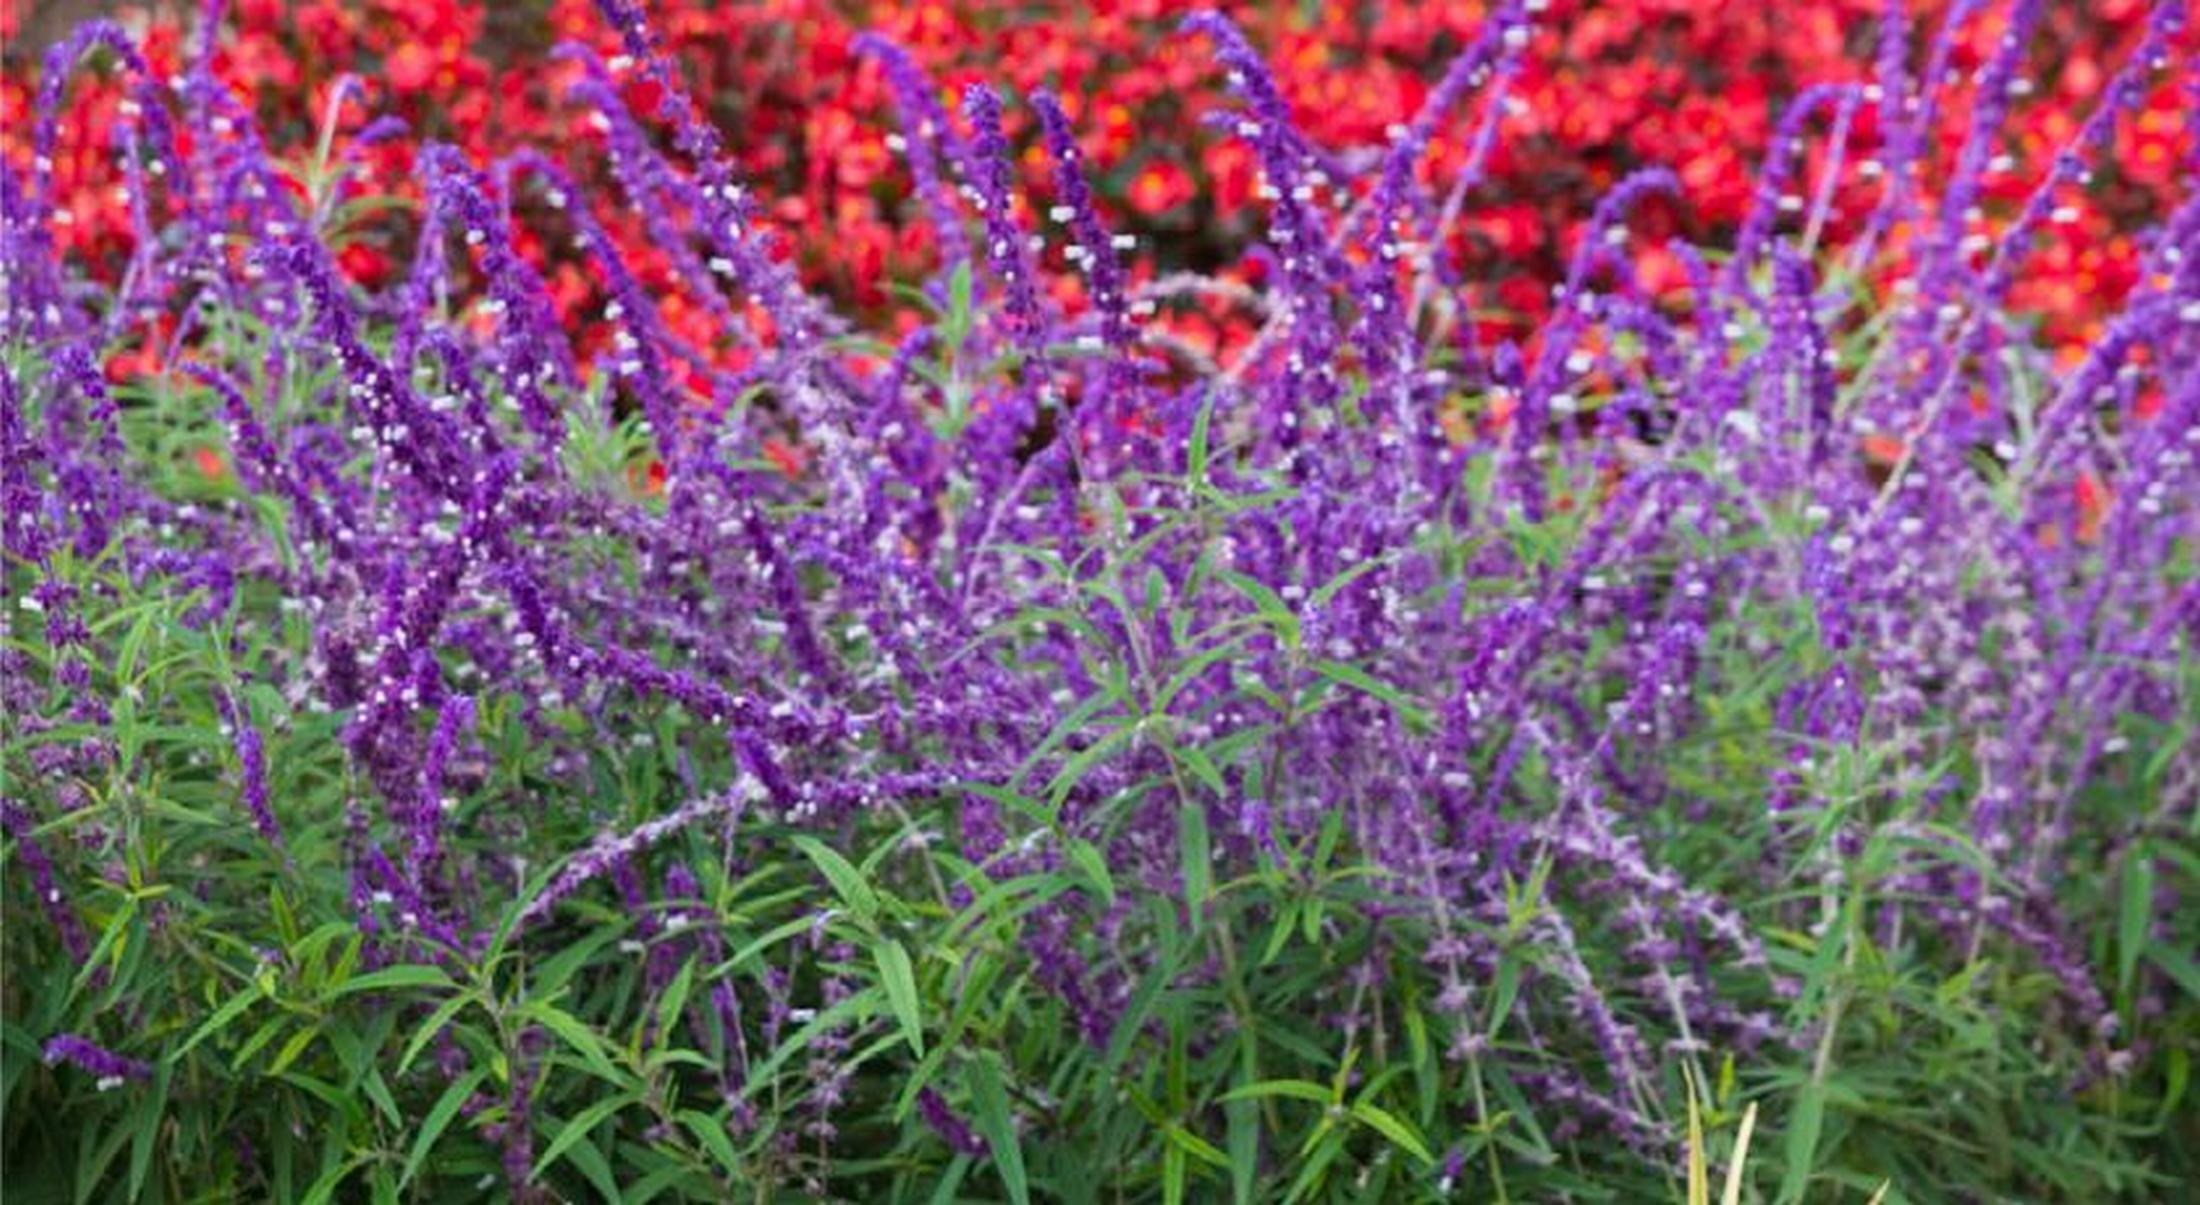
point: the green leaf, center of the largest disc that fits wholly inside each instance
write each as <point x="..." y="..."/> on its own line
<point x="325" y="1187"/>
<point x="777" y="934"/>
<point x="1279" y="935"/>
<point x="1328" y="1145"/>
<point x="1396" y="1130"/>
<point x="2135" y="914"/>
<point x="711" y="1133"/>
<point x="1198" y="664"/>
<point x="378" y="1091"/>
<point x="1273" y="610"/>
<point x="1196" y="855"/>
<point x="2175" y="1081"/>
<point x="1819" y="974"/>
<point x="576" y="1129"/>
<point x="292" y="1049"/>
<point x="393" y="977"/>
<point x="1195" y="1146"/>
<point x="1163" y="972"/>
<point x="674" y="999"/>
<point x="554" y="972"/>
<point x="228" y="1012"/>
<point x="1195" y="455"/>
<point x="1366" y="683"/>
<point x="2177" y="966"/>
<point x="1077" y="764"/>
<point x="1244" y="1139"/>
<point x="1508" y="989"/>
<point x="991" y="1102"/>
<point x="439" y="1118"/>
<point x="1296" y="1089"/>
<point x="847" y="881"/>
<point x="945" y="1192"/>
<point x="429" y="1028"/>
<point x="580" y="1038"/>
<point x="587" y="1157"/>
<point x="1089" y="861"/>
<point x="958" y="306"/>
<point x="1802" y="1141"/>
<point x="901" y="990"/>
<point x="1329" y="590"/>
<point x="855" y="1008"/>
<point x="145" y="1132"/>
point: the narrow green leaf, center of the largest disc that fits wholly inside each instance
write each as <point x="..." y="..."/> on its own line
<point x="855" y="1008"/>
<point x="1329" y="590"/>
<point x="1089" y="861"/>
<point x="1244" y="1139"/>
<point x="576" y="1129"/>
<point x="222" y="1016"/>
<point x="1328" y="1144"/>
<point x="393" y="977"/>
<point x="950" y="1185"/>
<point x="1195" y="1146"/>
<point x="901" y="990"/>
<point x="2135" y="914"/>
<point x="378" y="1090"/>
<point x="325" y="1187"/>
<point x="1196" y="855"/>
<point x="1367" y="683"/>
<point x="2177" y="966"/>
<point x="1390" y="1126"/>
<point x="1192" y="668"/>
<point x="846" y="880"/>
<point x="429" y="1028"/>
<point x="1802" y="1141"/>
<point x="1508" y="990"/>
<point x="1279" y="936"/>
<point x="1077" y="764"/>
<point x="292" y="1049"/>
<point x="1273" y="610"/>
<point x="674" y="1000"/>
<point x="583" y="1041"/>
<point x="438" y="1119"/>
<point x="145" y="1131"/>
<point x="2175" y="1081"/>
<point x="991" y="1102"/>
<point x="1196" y="453"/>
<point x="1297" y="1089"/>
<point x="958" y="304"/>
<point x="777" y="934"/>
<point x="711" y="1133"/>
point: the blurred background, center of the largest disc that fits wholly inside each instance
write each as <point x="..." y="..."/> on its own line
<point x="1695" y="85"/>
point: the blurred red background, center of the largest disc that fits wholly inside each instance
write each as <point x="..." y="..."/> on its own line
<point x="1696" y="85"/>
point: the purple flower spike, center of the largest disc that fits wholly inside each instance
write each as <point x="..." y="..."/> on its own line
<point x="112" y="1070"/>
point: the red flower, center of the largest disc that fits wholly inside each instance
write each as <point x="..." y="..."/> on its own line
<point x="1160" y="187"/>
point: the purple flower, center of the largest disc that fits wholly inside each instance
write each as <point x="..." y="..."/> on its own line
<point x="19" y="824"/>
<point x="953" y="1130"/>
<point x="252" y="769"/>
<point x="112" y="1070"/>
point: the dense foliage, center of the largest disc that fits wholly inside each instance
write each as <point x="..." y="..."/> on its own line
<point x="455" y="751"/>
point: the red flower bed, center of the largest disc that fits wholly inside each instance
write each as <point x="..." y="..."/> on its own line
<point x="1695" y="85"/>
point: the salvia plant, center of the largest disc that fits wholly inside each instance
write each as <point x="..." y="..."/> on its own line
<point x="1374" y="765"/>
